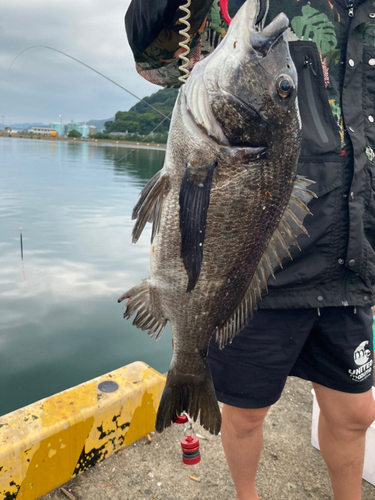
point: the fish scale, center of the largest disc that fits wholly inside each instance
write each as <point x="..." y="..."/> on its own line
<point x="225" y="207"/>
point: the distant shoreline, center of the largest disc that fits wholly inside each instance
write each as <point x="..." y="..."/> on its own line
<point x="107" y="142"/>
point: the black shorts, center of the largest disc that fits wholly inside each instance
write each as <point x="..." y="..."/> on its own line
<point x="334" y="349"/>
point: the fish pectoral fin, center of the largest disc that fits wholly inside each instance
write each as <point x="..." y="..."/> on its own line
<point x="194" y="201"/>
<point x="139" y="301"/>
<point x="284" y="237"/>
<point x="150" y="205"/>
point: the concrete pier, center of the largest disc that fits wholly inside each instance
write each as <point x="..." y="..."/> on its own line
<point x="152" y="469"/>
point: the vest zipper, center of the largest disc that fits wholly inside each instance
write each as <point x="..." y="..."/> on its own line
<point x="307" y="63"/>
<point x="350" y="8"/>
<point x="309" y="71"/>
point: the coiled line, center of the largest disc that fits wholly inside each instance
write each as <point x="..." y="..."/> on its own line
<point x="184" y="43"/>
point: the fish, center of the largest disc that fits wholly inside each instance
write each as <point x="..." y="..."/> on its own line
<point x="225" y="208"/>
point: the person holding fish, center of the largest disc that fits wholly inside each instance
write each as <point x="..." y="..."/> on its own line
<point x="256" y="285"/>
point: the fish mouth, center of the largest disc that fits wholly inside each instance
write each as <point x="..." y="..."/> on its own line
<point x="263" y="41"/>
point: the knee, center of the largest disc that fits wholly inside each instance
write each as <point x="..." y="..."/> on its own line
<point x="355" y="419"/>
<point x="243" y="420"/>
<point x="363" y="419"/>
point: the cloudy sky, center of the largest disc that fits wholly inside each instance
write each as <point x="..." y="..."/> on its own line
<point x="43" y="84"/>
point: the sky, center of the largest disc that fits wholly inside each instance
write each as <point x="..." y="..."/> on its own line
<point x="43" y="84"/>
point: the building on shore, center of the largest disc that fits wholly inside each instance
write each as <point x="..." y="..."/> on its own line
<point x="59" y="127"/>
<point x="72" y="126"/>
<point x="12" y="131"/>
<point x="41" y="130"/>
<point x="84" y="130"/>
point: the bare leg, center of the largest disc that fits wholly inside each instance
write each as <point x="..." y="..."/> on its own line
<point x="344" y="419"/>
<point x="242" y="438"/>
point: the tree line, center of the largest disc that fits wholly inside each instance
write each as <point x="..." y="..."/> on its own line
<point x="139" y="122"/>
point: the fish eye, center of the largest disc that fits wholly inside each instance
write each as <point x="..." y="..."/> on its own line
<point x="284" y="85"/>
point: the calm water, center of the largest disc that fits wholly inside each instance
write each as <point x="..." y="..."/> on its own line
<point x="60" y="323"/>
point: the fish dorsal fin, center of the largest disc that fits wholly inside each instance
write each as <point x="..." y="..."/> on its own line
<point x="194" y="201"/>
<point x="149" y="206"/>
<point x="284" y="236"/>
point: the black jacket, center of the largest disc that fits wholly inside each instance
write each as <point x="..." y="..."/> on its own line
<point x="337" y="263"/>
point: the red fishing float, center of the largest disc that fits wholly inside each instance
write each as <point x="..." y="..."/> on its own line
<point x="181" y="419"/>
<point x="190" y="450"/>
<point x="189" y="443"/>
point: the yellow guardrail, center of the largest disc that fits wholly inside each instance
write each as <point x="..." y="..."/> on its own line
<point x="47" y="443"/>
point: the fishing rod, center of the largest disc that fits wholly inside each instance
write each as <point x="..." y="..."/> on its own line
<point x="92" y="69"/>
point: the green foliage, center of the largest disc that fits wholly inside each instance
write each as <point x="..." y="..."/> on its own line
<point x="99" y="135"/>
<point x="316" y="26"/>
<point x="141" y="120"/>
<point x="74" y="133"/>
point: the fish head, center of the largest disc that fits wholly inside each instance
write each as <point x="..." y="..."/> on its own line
<point x="251" y="79"/>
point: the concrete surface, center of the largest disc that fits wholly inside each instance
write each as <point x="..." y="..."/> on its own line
<point x="290" y="468"/>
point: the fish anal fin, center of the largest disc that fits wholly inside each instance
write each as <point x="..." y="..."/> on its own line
<point x="149" y="206"/>
<point x="284" y="237"/>
<point x="140" y="303"/>
<point x="194" y="202"/>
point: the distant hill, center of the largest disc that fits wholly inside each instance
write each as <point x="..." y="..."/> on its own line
<point x="142" y="119"/>
<point x="26" y="125"/>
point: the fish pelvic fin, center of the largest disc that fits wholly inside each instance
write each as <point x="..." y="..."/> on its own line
<point x="192" y="394"/>
<point x="150" y="205"/>
<point x="194" y="201"/>
<point x="140" y="302"/>
<point x="284" y="237"/>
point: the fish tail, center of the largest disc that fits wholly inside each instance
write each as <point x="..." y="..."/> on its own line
<point x="194" y="395"/>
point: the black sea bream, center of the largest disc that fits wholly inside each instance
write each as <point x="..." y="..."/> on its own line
<point x="225" y="207"/>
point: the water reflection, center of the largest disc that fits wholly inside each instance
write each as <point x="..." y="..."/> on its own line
<point x="141" y="163"/>
<point x="63" y="325"/>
